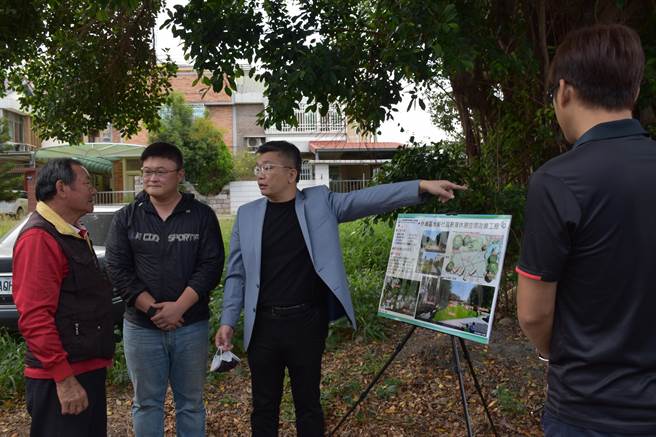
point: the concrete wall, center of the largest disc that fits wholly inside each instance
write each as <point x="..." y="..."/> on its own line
<point x="322" y="174"/>
<point x="242" y="192"/>
<point x="247" y="123"/>
<point x="220" y="203"/>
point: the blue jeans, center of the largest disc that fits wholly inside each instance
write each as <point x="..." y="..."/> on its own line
<point x="155" y="358"/>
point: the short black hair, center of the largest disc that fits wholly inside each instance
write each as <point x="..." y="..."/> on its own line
<point x="59" y="169"/>
<point x="160" y="149"/>
<point x="287" y="150"/>
<point x="604" y="63"/>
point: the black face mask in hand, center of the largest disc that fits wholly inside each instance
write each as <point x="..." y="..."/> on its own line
<point x="224" y="361"/>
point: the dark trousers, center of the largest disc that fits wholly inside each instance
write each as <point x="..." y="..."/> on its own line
<point x="295" y="341"/>
<point x="553" y="427"/>
<point x="45" y="409"/>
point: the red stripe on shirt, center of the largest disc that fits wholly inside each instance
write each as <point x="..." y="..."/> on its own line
<point x="528" y="275"/>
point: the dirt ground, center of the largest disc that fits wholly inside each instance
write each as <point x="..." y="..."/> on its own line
<point x="417" y="396"/>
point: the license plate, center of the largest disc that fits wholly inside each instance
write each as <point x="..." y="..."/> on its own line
<point x="5" y="284"/>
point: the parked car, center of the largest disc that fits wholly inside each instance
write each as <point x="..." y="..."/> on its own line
<point x="97" y="223"/>
<point x="16" y="207"/>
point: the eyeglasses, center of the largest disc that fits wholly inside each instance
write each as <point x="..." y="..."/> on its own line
<point x="159" y="172"/>
<point x="267" y="168"/>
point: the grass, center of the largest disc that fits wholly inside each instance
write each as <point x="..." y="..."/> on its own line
<point x="366" y="250"/>
<point x="12" y="351"/>
<point x="454" y="312"/>
<point x="509" y="401"/>
<point x="6" y="224"/>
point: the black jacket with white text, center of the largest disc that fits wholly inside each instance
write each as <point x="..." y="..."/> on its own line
<point x="145" y="253"/>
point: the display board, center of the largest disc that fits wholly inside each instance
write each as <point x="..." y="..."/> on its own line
<point x="444" y="271"/>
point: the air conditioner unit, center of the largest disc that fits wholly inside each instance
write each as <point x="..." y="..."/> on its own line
<point x="252" y="143"/>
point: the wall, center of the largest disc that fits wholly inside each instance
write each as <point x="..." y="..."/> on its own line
<point x="220" y="203"/>
<point x="242" y="192"/>
<point x="117" y="175"/>
<point x="221" y="117"/>
<point x="183" y="83"/>
<point x="247" y="123"/>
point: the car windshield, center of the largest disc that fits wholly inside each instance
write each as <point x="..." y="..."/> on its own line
<point x="98" y="226"/>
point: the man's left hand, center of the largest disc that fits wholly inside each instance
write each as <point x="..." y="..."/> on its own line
<point x="441" y="189"/>
<point x="169" y="315"/>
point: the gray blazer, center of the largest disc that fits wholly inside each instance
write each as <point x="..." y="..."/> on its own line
<point x="319" y="212"/>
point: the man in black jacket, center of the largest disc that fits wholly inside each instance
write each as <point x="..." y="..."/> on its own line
<point x="165" y="254"/>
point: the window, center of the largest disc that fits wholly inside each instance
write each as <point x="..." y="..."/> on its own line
<point x="15" y="127"/>
<point x="133" y="165"/>
<point x="197" y="111"/>
<point x="105" y="136"/>
<point x="164" y="112"/>
<point x="307" y="171"/>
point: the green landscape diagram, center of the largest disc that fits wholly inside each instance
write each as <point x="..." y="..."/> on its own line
<point x="473" y="257"/>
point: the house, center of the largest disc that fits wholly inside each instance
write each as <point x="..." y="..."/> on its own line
<point x="235" y="116"/>
<point x="114" y="167"/>
<point x="23" y="142"/>
<point x="333" y="153"/>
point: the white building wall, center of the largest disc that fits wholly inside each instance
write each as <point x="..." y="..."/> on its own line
<point x="242" y="192"/>
<point x="321" y="174"/>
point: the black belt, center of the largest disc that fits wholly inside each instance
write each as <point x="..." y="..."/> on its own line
<point x="285" y="310"/>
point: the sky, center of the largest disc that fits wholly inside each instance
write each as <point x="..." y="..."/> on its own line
<point x="415" y="122"/>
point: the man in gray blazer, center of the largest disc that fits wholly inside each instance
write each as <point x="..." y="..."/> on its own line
<point x="285" y="270"/>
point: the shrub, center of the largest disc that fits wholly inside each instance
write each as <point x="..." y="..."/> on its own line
<point x="208" y="162"/>
<point x="366" y="250"/>
<point x="12" y="351"/>
<point x="244" y="163"/>
<point x="486" y="193"/>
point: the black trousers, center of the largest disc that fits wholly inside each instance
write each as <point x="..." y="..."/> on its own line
<point x="295" y="341"/>
<point x="45" y="409"/>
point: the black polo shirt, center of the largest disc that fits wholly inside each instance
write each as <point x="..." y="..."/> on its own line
<point x="590" y="225"/>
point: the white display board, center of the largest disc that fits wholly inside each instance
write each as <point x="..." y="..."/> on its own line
<point x="444" y="271"/>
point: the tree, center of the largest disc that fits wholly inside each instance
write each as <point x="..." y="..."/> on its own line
<point x="208" y="162"/>
<point x="8" y="181"/>
<point x="482" y="62"/>
<point x="82" y="64"/>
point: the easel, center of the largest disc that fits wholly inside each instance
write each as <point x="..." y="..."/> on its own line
<point x="457" y="369"/>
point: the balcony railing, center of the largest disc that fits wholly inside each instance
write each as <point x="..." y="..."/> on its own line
<point x="10" y="147"/>
<point x="114" y="197"/>
<point x="332" y="122"/>
<point x="345" y="186"/>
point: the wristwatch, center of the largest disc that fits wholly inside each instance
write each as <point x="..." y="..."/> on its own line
<point x="151" y="312"/>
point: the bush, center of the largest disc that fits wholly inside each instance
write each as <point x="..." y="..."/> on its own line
<point x="366" y="250"/>
<point x="12" y="351"/>
<point x="118" y="373"/>
<point x="244" y="163"/>
<point x="208" y="162"/>
<point x="486" y="194"/>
